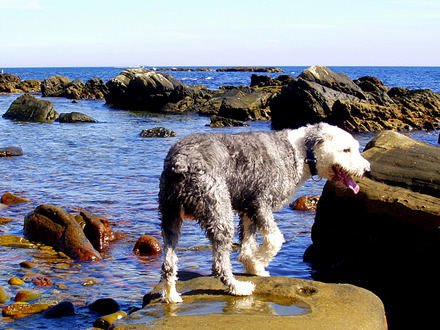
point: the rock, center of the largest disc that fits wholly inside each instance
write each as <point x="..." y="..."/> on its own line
<point x="27" y="264"/>
<point x="75" y="117"/>
<point x="64" y="308"/>
<point x="54" y="86"/>
<point x="94" y="89"/>
<point x="250" y="69"/>
<point x="142" y="89"/>
<point x="29" y="108"/>
<point x="11" y="152"/>
<point x="147" y="245"/>
<point x="15" y="281"/>
<point x="184" y="69"/>
<point x="97" y="229"/>
<point x="42" y="281"/>
<point x="9" y="198"/>
<point x="24" y="309"/>
<point x="26" y="296"/>
<point x="157" y="132"/>
<point x="105" y="322"/>
<point x="217" y="121"/>
<point x="53" y="226"/>
<point x="73" y="90"/>
<point x="375" y="238"/>
<point x="104" y="306"/>
<point x="4" y="295"/>
<point x="13" y="84"/>
<point x="365" y="105"/>
<point x="277" y="303"/>
<point x="266" y="81"/>
<point x="305" y="203"/>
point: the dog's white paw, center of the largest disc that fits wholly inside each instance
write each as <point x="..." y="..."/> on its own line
<point x="172" y="298"/>
<point x="242" y="288"/>
<point x="263" y="273"/>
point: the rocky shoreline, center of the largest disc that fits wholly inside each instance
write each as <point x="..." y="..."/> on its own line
<point x="317" y="94"/>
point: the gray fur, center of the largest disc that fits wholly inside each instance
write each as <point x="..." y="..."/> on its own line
<point x="208" y="177"/>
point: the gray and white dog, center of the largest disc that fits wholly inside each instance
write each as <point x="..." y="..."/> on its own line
<point x="207" y="177"/>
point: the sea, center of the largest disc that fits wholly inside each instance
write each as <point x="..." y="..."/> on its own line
<point x="108" y="169"/>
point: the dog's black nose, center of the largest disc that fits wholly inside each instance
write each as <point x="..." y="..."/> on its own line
<point x="367" y="172"/>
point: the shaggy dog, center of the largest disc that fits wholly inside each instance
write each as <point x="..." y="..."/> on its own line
<point x="207" y="177"/>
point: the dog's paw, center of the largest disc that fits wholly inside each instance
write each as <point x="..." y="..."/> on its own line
<point x="263" y="273"/>
<point x="242" y="288"/>
<point x="172" y="298"/>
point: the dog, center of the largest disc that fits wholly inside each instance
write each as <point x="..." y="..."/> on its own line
<point x="209" y="176"/>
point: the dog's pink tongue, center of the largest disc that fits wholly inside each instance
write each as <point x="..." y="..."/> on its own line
<point x="349" y="182"/>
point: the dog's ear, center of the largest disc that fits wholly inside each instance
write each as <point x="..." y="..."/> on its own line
<point x="314" y="136"/>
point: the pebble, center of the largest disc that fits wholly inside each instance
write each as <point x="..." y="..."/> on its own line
<point x="26" y="296"/>
<point x="147" y="245"/>
<point x="42" y="281"/>
<point x="15" y="281"/>
<point x="64" y="308"/>
<point x="104" y="322"/>
<point x="104" y="306"/>
<point x="9" y="198"/>
<point x="27" y="264"/>
<point x="24" y="308"/>
<point x="4" y="295"/>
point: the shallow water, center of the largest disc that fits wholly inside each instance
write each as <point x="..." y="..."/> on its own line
<point x="108" y="169"/>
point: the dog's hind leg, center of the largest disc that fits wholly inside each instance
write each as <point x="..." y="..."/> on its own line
<point x="172" y="221"/>
<point x="219" y="228"/>
<point x="249" y="247"/>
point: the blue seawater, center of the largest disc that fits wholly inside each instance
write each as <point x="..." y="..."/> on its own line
<point x="108" y="169"/>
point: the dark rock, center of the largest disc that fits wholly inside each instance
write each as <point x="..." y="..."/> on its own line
<point x="62" y="309"/>
<point x="142" y="89"/>
<point x="97" y="229"/>
<point x="74" y="117"/>
<point x="29" y="108"/>
<point x="250" y="69"/>
<point x="147" y="245"/>
<point x="374" y="239"/>
<point x="265" y="81"/>
<point x="11" y="152"/>
<point x="53" y="226"/>
<point x="54" y="86"/>
<point x="94" y="89"/>
<point x="73" y="90"/>
<point x="157" y="132"/>
<point x="217" y="121"/>
<point x="13" y="84"/>
<point x="104" y="306"/>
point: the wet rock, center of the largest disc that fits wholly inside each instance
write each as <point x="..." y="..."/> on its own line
<point x="157" y="132"/>
<point x="42" y="281"/>
<point x="11" y="152"/>
<point x="54" y="86"/>
<point x="147" y="245"/>
<point x="20" y="309"/>
<point x="94" y="89"/>
<point x="25" y="296"/>
<point x="28" y="108"/>
<point x="75" y="117"/>
<point x="305" y="203"/>
<point x="4" y="220"/>
<point x="391" y="227"/>
<point x="64" y="308"/>
<point x="4" y="295"/>
<point x="15" y="281"/>
<point x="106" y="321"/>
<point x="9" y="198"/>
<point x="53" y="226"/>
<point x="217" y="121"/>
<point x="5" y="240"/>
<point x="306" y="305"/>
<point x="97" y="229"/>
<point x="104" y="306"/>
<point x="13" y="84"/>
<point x="27" y="264"/>
<point x="73" y="89"/>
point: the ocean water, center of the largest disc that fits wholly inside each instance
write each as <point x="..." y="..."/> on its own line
<point x="108" y="169"/>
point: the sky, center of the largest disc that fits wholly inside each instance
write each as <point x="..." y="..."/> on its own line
<point x="57" y="33"/>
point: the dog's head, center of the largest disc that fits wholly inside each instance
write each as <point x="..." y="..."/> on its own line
<point x="337" y="155"/>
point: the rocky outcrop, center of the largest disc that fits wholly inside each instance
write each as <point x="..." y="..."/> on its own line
<point x="386" y="238"/>
<point x="28" y="108"/>
<point x="60" y="86"/>
<point x="217" y="121"/>
<point x="53" y="226"/>
<point x="13" y="84"/>
<point x="277" y="303"/>
<point x="157" y="132"/>
<point x="250" y="69"/>
<point x="143" y="89"/>
<point x="54" y="86"/>
<point x="363" y="105"/>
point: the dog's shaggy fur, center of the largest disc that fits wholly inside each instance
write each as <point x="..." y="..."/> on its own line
<point x="207" y="177"/>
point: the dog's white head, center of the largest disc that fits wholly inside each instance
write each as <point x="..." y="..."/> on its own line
<point x="337" y="155"/>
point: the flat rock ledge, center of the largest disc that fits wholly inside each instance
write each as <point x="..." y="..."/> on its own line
<point x="277" y="303"/>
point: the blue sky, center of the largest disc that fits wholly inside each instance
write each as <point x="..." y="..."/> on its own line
<point x="219" y="33"/>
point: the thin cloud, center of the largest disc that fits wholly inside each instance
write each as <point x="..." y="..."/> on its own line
<point x="20" y="4"/>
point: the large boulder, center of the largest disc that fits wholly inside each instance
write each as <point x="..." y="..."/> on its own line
<point x="28" y="108"/>
<point x="277" y="303"/>
<point x="75" y="117"/>
<point x="363" y="105"/>
<point x="53" y="226"/>
<point x="386" y="238"/>
<point x="54" y="86"/>
<point x="13" y="84"/>
<point x="143" y="89"/>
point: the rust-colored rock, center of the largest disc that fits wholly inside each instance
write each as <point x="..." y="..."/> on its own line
<point x="97" y="230"/>
<point x="9" y="198"/>
<point x="42" y="281"/>
<point x="305" y="203"/>
<point x="147" y="245"/>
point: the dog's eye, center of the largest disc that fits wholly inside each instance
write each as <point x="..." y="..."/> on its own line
<point x="347" y="150"/>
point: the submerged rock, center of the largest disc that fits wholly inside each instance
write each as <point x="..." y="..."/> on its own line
<point x="157" y="132"/>
<point x="75" y="117"/>
<point x="62" y="309"/>
<point x="147" y="245"/>
<point x="278" y="302"/>
<point x="11" y="152"/>
<point x="10" y="198"/>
